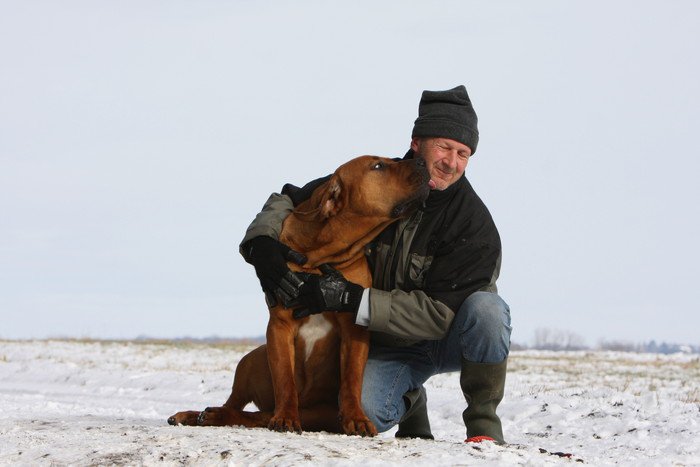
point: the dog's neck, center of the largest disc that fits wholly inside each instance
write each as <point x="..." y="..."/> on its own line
<point x="337" y="240"/>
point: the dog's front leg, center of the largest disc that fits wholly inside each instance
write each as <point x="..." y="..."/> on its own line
<point x="354" y="348"/>
<point x="281" y="330"/>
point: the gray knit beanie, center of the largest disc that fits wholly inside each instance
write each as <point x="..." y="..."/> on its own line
<point x="447" y="114"/>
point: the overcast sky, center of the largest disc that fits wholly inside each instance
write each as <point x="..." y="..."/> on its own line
<point x="139" y="139"/>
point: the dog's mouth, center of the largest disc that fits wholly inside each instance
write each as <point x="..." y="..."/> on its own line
<point x="423" y="183"/>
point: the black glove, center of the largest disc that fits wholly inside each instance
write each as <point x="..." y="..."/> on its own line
<point x="329" y="292"/>
<point x="269" y="257"/>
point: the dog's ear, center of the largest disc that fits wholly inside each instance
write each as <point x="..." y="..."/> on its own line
<point x="332" y="199"/>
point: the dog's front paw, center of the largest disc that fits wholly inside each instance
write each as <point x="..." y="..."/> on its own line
<point x="285" y="423"/>
<point x="361" y="426"/>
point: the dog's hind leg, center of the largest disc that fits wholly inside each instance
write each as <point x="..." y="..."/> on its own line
<point x="252" y="383"/>
<point x="224" y="416"/>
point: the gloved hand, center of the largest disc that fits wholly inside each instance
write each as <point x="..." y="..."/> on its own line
<point x="328" y="292"/>
<point x="269" y="257"/>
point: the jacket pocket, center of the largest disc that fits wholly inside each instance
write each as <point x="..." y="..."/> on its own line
<point x="418" y="266"/>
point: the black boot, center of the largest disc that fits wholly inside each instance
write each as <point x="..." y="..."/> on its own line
<point x="415" y="423"/>
<point x="482" y="385"/>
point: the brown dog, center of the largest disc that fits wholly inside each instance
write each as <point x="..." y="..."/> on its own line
<point x="309" y="374"/>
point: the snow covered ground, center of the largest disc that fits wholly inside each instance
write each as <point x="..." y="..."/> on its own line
<point x="80" y="403"/>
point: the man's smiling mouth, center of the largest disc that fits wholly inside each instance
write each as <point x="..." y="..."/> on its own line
<point x="443" y="174"/>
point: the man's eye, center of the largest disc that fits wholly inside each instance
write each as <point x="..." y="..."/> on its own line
<point x="378" y="166"/>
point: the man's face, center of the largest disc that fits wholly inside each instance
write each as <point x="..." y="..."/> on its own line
<point x="445" y="159"/>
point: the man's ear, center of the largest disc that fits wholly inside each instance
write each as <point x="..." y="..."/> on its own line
<point x="415" y="143"/>
<point x="331" y="201"/>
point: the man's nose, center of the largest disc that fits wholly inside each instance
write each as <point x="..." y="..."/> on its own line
<point x="451" y="159"/>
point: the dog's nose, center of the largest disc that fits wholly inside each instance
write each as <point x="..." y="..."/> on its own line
<point x="420" y="162"/>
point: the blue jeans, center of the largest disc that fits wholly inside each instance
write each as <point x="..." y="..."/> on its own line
<point x="480" y="332"/>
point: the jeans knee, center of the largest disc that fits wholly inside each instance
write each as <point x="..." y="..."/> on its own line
<point x="485" y="330"/>
<point x="486" y="313"/>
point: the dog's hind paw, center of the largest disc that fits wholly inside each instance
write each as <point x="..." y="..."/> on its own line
<point x="184" y="418"/>
<point x="213" y="416"/>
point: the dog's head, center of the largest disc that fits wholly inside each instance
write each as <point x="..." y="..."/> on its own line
<point x="375" y="186"/>
<point x="360" y="199"/>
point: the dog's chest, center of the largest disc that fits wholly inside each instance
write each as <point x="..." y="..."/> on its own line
<point x="313" y="330"/>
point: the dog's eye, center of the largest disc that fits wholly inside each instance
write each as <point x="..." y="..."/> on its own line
<point x="378" y="166"/>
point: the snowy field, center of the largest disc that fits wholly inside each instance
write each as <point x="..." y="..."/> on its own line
<point x="103" y="403"/>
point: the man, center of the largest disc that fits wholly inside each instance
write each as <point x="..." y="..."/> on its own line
<point x="433" y="307"/>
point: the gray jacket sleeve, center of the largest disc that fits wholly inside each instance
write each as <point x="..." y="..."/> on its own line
<point x="400" y="318"/>
<point x="269" y="221"/>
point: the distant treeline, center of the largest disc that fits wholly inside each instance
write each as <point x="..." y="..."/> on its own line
<point x="648" y="347"/>
<point x="555" y="339"/>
